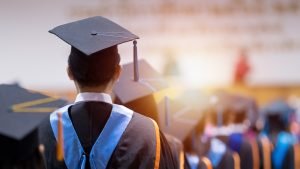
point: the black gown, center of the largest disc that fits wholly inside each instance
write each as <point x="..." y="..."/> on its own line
<point x="177" y="149"/>
<point x="133" y="150"/>
<point x="244" y="151"/>
<point x="265" y="151"/>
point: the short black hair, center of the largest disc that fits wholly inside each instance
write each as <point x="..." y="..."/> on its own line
<point x="96" y="69"/>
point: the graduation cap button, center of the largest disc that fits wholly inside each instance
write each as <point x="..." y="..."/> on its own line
<point x="94" y="33"/>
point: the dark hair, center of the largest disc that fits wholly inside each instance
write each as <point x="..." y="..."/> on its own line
<point x="275" y="122"/>
<point x="96" y="69"/>
<point x="240" y="116"/>
<point x="212" y="113"/>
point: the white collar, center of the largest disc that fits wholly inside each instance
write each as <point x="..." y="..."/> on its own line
<point x="218" y="131"/>
<point x="89" y="96"/>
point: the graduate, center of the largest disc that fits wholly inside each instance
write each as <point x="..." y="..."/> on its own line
<point x="21" y="113"/>
<point x="214" y="142"/>
<point x="96" y="132"/>
<point x="207" y="143"/>
<point x="237" y="141"/>
<point x="149" y="97"/>
<point x="276" y="143"/>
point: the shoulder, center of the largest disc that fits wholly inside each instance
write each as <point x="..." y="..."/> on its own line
<point x="173" y="142"/>
<point x="228" y="158"/>
<point x="138" y="121"/>
<point x="53" y="115"/>
<point x="142" y="124"/>
<point x="137" y="142"/>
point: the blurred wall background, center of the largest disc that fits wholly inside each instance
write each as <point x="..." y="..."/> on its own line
<point x="205" y="37"/>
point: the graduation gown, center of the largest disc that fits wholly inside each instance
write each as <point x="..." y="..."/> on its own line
<point x="276" y="153"/>
<point x="239" y="144"/>
<point x="136" y="147"/>
<point x="177" y="151"/>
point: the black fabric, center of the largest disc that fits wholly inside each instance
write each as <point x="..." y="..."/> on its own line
<point x="288" y="162"/>
<point x="227" y="161"/>
<point x="135" y="150"/>
<point x="89" y="119"/>
<point x="176" y="148"/>
<point x="260" y="152"/>
<point x="246" y="155"/>
<point x="15" y="150"/>
<point x="32" y="161"/>
<point x="48" y="139"/>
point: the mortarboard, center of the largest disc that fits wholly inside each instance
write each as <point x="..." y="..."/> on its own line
<point x="139" y="95"/>
<point x="21" y="113"/>
<point x="277" y="112"/>
<point x="178" y="113"/>
<point x="176" y="118"/>
<point x="94" y="34"/>
<point x="279" y="107"/>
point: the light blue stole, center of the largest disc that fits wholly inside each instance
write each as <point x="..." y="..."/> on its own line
<point x="193" y="160"/>
<point x="105" y="144"/>
<point x="284" y="141"/>
<point x="216" y="151"/>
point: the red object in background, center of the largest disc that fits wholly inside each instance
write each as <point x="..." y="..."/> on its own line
<point x="242" y="69"/>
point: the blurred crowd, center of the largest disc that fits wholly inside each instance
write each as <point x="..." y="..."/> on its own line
<point x="234" y="132"/>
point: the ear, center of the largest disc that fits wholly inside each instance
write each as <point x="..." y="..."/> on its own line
<point x="70" y="74"/>
<point x="117" y="73"/>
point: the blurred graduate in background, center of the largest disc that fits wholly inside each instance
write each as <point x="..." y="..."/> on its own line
<point x="277" y="144"/>
<point x="21" y="113"/>
<point x="151" y="97"/>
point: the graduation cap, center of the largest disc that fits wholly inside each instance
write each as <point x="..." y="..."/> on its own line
<point x="139" y="95"/>
<point x="277" y="114"/>
<point x="178" y="113"/>
<point x="176" y="118"/>
<point x="243" y="104"/>
<point x="152" y="97"/>
<point x="21" y="112"/>
<point x="94" y="34"/>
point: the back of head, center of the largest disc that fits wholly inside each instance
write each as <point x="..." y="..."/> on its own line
<point x="93" y="70"/>
<point x="240" y="115"/>
<point x="275" y="123"/>
<point x="277" y="116"/>
<point x="218" y="116"/>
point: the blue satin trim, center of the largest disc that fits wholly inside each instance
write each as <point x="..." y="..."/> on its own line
<point x="104" y="146"/>
<point x="193" y="161"/>
<point x="284" y="142"/>
<point x="216" y="152"/>
<point x="235" y="141"/>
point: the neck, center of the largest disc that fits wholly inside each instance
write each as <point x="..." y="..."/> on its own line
<point x="94" y="89"/>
